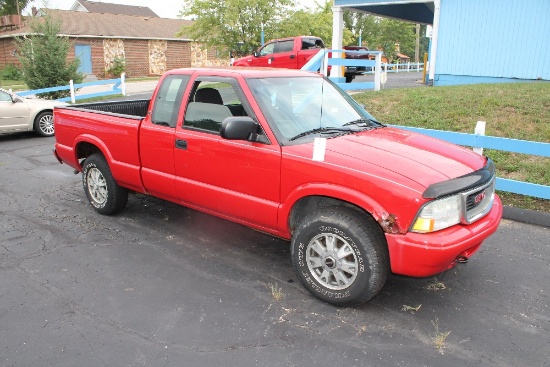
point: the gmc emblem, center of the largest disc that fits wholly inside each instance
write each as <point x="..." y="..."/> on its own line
<point x="479" y="198"/>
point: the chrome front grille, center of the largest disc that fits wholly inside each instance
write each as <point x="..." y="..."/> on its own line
<point x="477" y="202"/>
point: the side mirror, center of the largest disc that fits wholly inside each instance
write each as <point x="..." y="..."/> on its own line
<point x="256" y="54"/>
<point x="240" y="128"/>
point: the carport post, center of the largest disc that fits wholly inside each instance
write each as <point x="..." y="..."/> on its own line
<point x="337" y="35"/>
<point x="433" y="50"/>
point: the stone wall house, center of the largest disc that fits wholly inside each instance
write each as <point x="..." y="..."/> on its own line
<point x="147" y="45"/>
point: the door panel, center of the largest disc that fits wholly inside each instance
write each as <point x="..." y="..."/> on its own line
<point x="284" y="56"/>
<point x="157" y="134"/>
<point x="84" y="54"/>
<point x="234" y="179"/>
<point x="264" y="57"/>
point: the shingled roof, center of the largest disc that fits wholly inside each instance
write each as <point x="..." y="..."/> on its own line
<point x="103" y="25"/>
<point x="100" y="7"/>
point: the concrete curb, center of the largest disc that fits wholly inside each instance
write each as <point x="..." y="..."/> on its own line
<point x="527" y="216"/>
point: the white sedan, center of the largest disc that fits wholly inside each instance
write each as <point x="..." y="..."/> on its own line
<point x="25" y="114"/>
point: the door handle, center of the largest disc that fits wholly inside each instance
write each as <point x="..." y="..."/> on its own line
<point x="292" y="56"/>
<point x="181" y="144"/>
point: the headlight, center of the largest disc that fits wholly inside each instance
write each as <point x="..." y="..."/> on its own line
<point x="438" y="214"/>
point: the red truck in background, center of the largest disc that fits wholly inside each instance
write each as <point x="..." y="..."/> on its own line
<point x="289" y="153"/>
<point x="289" y="53"/>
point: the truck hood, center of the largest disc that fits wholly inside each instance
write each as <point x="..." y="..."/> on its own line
<point x="420" y="158"/>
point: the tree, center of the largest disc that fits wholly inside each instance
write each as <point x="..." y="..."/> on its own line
<point x="364" y="26"/>
<point x="43" y="57"/>
<point x="317" y="22"/>
<point x="232" y="24"/>
<point x="396" y="33"/>
<point x="8" y="7"/>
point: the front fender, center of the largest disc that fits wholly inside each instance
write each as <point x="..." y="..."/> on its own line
<point x="341" y="193"/>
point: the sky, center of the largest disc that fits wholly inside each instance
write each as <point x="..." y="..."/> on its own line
<point x="163" y="8"/>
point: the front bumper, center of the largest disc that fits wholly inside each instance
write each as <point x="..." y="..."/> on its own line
<point x="427" y="254"/>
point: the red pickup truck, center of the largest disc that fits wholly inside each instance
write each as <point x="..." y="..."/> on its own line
<point x="289" y="53"/>
<point x="288" y="153"/>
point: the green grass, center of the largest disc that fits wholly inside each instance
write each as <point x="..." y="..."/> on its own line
<point x="98" y="99"/>
<point x="14" y="85"/>
<point x="514" y="110"/>
<point x="142" y="79"/>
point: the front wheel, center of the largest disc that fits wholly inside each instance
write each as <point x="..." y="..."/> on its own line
<point x="340" y="256"/>
<point x="43" y="124"/>
<point x="101" y="189"/>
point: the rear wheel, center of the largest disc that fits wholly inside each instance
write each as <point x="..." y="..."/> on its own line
<point x="43" y="124"/>
<point x="340" y="256"/>
<point x="101" y="189"/>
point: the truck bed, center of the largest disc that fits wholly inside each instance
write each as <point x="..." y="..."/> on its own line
<point x="136" y="108"/>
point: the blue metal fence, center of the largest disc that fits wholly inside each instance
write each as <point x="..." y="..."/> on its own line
<point x="118" y="88"/>
<point x="321" y="62"/>
<point x="504" y="144"/>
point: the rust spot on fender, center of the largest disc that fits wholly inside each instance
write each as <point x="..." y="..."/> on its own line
<point x="388" y="222"/>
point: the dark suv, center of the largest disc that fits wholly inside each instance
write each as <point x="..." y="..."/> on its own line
<point x="357" y="56"/>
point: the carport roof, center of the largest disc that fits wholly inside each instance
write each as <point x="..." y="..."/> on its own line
<point x="416" y="11"/>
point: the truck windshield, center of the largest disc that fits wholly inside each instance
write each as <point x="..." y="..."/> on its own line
<point x="300" y="109"/>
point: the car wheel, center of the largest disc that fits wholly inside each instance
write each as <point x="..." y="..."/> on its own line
<point x="340" y="256"/>
<point x="101" y="189"/>
<point x="43" y="124"/>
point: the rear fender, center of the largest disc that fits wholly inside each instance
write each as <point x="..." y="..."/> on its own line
<point x="126" y="175"/>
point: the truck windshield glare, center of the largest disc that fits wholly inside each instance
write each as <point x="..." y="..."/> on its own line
<point x="295" y="106"/>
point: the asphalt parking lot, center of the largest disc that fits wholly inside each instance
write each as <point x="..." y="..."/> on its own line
<point x="162" y="285"/>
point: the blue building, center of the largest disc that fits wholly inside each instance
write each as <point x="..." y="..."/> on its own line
<point x="473" y="41"/>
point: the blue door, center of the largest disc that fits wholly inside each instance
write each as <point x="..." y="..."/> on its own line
<point x="84" y="54"/>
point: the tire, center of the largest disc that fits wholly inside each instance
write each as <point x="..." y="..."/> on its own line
<point x="349" y="78"/>
<point x="43" y="124"/>
<point x="340" y="256"/>
<point x="101" y="189"/>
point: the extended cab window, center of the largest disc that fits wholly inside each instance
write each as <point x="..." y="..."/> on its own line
<point x="168" y="100"/>
<point x="211" y="103"/>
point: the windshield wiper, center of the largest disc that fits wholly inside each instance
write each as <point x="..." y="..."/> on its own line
<point x="365" y="122"/>
<point x="322" y="130"/>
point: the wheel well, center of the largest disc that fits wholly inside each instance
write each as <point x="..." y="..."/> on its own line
<point x="312" y="203"/>
<point x="84" y="150"/>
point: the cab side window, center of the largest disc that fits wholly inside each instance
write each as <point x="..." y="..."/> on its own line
<point x="210" y="104"/>
<point x="168" y="100"/>
<point x="267" y="49"/>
